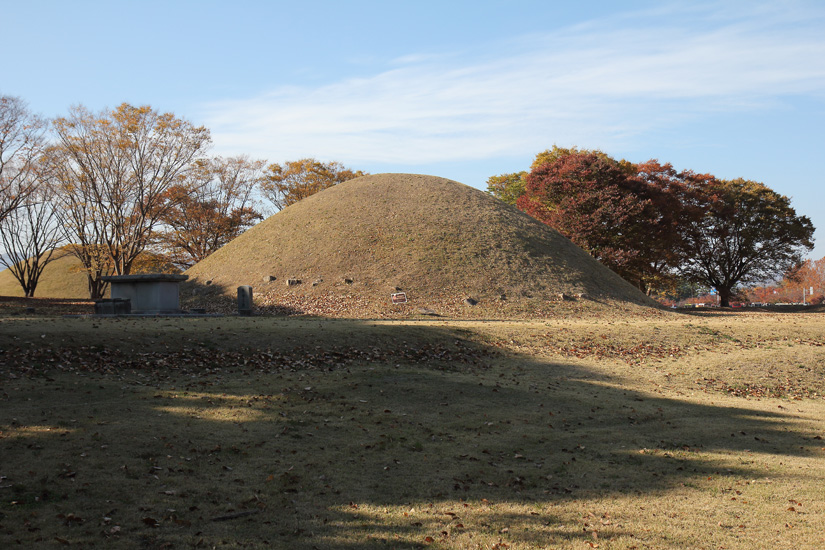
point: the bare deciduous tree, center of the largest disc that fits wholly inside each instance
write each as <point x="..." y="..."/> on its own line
<point x="21" y="142"/>
<point x="30" y="234"/>
<point x="114" y="169"/>
<point x="213" y="206"/>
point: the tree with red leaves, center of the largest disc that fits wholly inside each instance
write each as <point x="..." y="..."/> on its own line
<point x="605" y="207"/>
<point x="671" y="206"/>
<point x="653" y="225"/>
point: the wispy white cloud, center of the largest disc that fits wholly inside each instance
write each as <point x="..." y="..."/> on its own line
<point x="598" y="83"/>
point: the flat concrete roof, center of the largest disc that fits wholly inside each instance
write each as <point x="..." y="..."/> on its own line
<point x="146" y="278"/>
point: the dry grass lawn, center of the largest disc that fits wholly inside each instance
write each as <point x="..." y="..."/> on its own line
<point x="614" y="432"/>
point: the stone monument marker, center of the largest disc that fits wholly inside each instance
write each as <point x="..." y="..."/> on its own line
<point x="245" y="300"/>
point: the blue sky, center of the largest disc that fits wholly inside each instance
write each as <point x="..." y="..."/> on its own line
<point x="463" y="90"/>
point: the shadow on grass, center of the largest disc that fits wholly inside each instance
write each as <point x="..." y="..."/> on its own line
<point x="734" y="311"/>
<point x="12" y="305"/>
<point x="400" y="450"/>
<point x="215" y="297"/>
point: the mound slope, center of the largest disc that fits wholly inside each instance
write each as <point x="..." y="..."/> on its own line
<point x="62" y="278"/>
<point x="65" y="278"/>
<point x="439" y="241"/>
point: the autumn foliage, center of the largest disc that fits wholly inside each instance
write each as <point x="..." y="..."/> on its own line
<point x="295" y="180"/>
<point x="126" y="180"/>
<point x="113" y="171"/>
<point x="212" y="206"/>
<point x="625" y="215"/>
<point x="804" y="284"/>
<point x="744" y="233"/>
<point x="656" y="226"/>
<point x="589" y="199"/>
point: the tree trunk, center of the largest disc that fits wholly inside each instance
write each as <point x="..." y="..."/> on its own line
<point x="724" y="297"/>
<point x="97" y="288"/>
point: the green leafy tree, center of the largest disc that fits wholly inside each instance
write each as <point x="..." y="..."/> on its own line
<point x="745" y="233"/>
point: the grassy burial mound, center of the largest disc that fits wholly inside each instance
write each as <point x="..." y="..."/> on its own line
<point x="451" y="248"/>
<point x="62" y="278"/>
<point x="65" y="278"/>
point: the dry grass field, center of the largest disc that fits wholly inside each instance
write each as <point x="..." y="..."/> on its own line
<point x="614" y="431"/>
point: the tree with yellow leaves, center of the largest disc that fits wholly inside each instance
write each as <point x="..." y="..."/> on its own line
<point x="295" y="180"/>
<point x="113" y="170"/>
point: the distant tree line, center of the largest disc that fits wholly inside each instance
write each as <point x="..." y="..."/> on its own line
<point x="114" y="185"/>
<point x="806" y="284"/>
<point x="659" y="228"/>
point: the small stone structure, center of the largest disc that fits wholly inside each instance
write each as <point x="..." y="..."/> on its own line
<point x="117" y="306"/>
<point x="245" y="300"/>
<point x="149" y="293"/>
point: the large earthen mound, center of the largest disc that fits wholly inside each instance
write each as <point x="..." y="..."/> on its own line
<point x="452" y="249"/>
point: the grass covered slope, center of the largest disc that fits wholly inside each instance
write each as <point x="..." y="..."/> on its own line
<point x="62" y="278"/>
<point x="435" y="239"/>
<point x="65" y="278"/>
